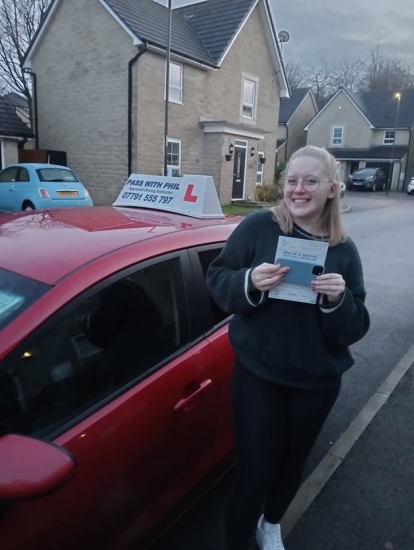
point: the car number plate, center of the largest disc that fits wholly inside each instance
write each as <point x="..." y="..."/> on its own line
<point x="356" y="183"/>
<point x="67" y="193"/>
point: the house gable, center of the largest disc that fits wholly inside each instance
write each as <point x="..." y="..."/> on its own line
<point x="201" y="33"/>
<point x="290" y="106"/>
<point x="333" y="98"/>
<point x="340" y="124"/>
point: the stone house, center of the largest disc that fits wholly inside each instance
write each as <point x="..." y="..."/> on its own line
<point x="368" y="129"/>
<point x="295" y="113"/>
<point x="14" y="133"/>
<point x="100" y="69"/>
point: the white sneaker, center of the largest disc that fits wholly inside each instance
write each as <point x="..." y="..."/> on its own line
<point x="268" y="535"/>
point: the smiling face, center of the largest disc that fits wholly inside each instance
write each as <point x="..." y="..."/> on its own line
<point x="306" y="206"/>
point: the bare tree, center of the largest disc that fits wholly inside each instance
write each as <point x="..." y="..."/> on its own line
<point x="377" y="73"/>
<point x="347" y="74"/>
<point x="296" y="75"/>
<point x="386" y="73"/>
<point x="319" y="79"/>
<point x="19" y="20"/>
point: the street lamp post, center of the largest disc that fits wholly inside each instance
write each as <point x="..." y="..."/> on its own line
<point x="389" y="182"/>
<point x="167" y="87"/>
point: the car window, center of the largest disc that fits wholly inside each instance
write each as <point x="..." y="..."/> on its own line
<point x="56" y="174"/>
<point x="120" y="333"/>
<point x="206" y="257"/>
<point x="9" y="174"/>
<point x="24" y="175"/>
<point x="17" y="293"/>
<point x="366" y="171"/>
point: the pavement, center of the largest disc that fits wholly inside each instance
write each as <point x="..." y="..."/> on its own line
<point x="361" y="495"/>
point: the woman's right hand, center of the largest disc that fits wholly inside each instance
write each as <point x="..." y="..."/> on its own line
<point x="266" y="276"/>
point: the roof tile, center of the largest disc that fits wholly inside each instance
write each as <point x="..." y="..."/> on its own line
<point x="217" y="22"/>
<point x="10" y="122"/>
<point x="289" y="105"/>
<point x="148" y="20"/>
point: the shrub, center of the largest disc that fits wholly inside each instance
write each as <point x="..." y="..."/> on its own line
<point x="280" y="167"/>
<point x="269" y="193"/>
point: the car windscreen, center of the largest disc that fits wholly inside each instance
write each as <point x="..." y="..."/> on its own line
<point x="56" y="174"/>
<point x="366" y="172"/>
<point x="17" y="293"/>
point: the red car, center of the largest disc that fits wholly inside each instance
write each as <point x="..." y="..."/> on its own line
<point x="115" y="368"/>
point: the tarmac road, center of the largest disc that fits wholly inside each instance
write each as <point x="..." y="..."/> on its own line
<point x="382" y="227"/>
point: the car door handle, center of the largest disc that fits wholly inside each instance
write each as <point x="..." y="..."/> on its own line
<point x="11" y="188"/>
<point x="187" y="401"/>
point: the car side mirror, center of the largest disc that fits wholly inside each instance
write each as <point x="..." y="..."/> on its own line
<point x="30" y="468"/>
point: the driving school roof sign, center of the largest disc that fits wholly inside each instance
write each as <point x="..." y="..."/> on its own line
<point x="194" y="196"/>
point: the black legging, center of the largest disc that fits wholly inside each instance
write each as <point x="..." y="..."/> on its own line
<point x="275" y="428"/>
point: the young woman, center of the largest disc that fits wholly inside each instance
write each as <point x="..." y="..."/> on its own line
<point x="290" y="356"/>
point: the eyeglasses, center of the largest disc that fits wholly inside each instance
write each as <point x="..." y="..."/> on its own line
<point x="309" y="183"/>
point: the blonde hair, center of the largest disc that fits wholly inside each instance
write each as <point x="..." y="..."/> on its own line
<point x="331" y="222"/>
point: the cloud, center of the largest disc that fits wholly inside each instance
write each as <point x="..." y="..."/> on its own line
<point x="345" y="29"/>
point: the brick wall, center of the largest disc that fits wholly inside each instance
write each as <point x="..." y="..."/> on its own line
<point x="82" y="75"/>
<point x="209" y="94"/>
<point x="341" y="112"/>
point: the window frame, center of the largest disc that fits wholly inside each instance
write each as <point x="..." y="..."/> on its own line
<point x="333" y="138"/>
<point x="171" y="87"/>
<point x="260" y="154"/>
<point x="203" y="296"/>
<point x="190" y="292"/>
<point x="23" y="170"/>
<point x="386" y="141"/>
<point x="13" y="167"/>
<point x="253" y="106"/>
<point x="171" y="167"/>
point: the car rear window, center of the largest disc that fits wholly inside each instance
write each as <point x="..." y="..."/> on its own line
<point x="56" y="174"/>
<point x="366" y="171"/>
<point x="17" y="293"/>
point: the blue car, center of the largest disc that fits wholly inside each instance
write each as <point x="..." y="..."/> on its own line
<point x="34" y="186"/>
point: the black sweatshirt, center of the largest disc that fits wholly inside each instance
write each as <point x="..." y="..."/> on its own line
<point x="291" y="343"/>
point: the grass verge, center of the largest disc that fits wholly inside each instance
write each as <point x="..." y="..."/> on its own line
<point x="236" y="208"/>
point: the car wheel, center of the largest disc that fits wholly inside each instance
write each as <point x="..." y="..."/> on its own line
<point x="374" y="187"/>
<point x="27" y="205"/>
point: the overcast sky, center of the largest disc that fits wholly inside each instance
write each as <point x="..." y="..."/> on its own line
<point x="338" y="29"/>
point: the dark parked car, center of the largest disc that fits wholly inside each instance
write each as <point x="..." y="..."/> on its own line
<point x="372" y="179"/>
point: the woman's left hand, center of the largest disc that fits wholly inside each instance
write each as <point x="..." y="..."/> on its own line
<point x="331" y="285"/>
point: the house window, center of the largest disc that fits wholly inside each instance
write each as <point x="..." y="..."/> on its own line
<point x="249" y="98"/>
<point x="176" y="83"/>
<point x="389" y="137"/>
<point x="337" y="135"/>
<point x="260" y="166"/>
<point x="174" y="157"/>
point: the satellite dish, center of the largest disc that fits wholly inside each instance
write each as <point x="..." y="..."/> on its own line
<point x="283" y="36"/>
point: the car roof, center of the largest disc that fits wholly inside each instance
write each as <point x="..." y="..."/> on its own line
<point x="47" y="245"/>
<point x="36" y="165"/>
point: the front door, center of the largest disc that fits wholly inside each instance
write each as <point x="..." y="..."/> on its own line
<point x="239" y="173"/>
